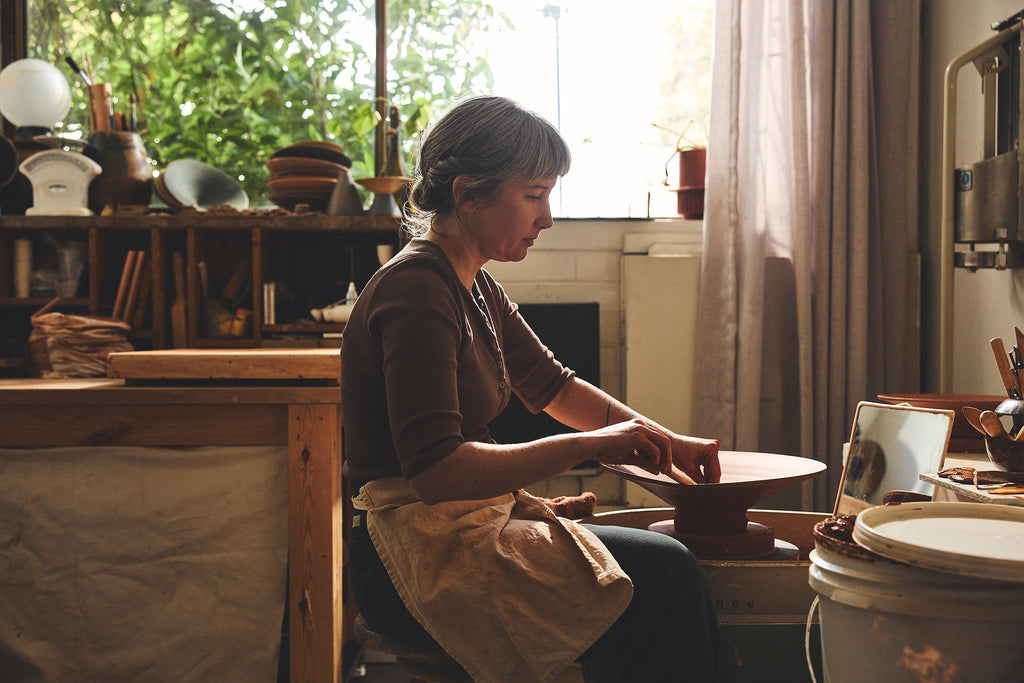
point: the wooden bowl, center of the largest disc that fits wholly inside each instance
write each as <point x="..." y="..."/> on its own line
<point x="315" y="149"/>
<point x="303" y="166"/>
<point x="384" y="184"/>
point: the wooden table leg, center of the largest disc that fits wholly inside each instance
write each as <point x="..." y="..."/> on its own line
<point x="315" y="513"/>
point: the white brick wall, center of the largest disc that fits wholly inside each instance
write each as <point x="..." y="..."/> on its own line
<point x="579" y="261"/>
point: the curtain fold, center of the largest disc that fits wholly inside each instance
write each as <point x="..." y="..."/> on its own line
<point x="807" y="299"/>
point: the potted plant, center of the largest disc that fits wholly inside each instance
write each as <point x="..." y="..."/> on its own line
<point x="692" y="168"/>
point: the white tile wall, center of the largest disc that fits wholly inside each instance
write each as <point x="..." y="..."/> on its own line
<point x="579" y="261"/>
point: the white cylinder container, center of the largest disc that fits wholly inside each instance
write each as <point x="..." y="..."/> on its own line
<point x="884" y="620"/>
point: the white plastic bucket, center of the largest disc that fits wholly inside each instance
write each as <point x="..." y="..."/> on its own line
<point x="883" y="620"/>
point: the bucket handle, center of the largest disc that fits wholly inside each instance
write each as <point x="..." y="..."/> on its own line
<point x="807" y="638"/>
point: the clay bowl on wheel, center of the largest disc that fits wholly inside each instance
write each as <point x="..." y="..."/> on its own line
<point x="717" y="512"/>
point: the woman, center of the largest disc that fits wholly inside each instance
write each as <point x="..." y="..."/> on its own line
<point x="445" y="540"/>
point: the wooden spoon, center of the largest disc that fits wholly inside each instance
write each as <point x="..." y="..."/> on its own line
<point x="992" y="424"/>
<point x="973" y="416"/>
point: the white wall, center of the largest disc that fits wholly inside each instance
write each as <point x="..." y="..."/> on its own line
<point x="988" y="303"/>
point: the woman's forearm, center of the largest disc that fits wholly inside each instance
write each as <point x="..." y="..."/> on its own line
<point x="583" y="406"/>
<point x="475" y="470"/>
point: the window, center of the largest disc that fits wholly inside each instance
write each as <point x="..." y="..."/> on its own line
<point x="229" y="81"/>
<point x="607" y="72"/>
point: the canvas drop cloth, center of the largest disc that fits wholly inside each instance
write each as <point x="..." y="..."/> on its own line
<point x="142" y="564"/>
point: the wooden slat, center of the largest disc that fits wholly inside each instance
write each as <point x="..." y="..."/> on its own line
<point x="315" y="550"/>
<point x="255" y="364"/>
<point x="143" y="425"/>
<point x="98" y="393"/>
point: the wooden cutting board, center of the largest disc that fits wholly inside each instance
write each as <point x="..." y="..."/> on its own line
<point x="227" y="364"/>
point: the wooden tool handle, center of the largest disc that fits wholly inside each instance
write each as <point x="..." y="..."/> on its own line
<point x="1003" y="364"/>
<point x="122" y="290"/>
<point x="135" y="289"/>
<point x="680" y="476"/>
<point x="179" y="320"/>
<point x="101" y="106"/>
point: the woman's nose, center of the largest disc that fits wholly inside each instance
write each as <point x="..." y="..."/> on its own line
<point x="545" y="220"/>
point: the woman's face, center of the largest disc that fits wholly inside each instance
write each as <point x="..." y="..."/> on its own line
<point x="504" y="228"/>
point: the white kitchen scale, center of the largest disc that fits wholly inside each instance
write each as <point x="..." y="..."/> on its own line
<point x="60" y="182"/>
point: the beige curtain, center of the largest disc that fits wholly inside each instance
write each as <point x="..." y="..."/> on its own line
<point x="808" y="299"/>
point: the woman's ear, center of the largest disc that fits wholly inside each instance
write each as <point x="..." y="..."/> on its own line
<point x="460" y="187"/>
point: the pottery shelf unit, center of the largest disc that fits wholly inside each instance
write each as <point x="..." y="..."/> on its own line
<point x="308" y="259"/>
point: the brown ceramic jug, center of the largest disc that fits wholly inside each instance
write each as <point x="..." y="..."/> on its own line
<point x="127" y="176"/>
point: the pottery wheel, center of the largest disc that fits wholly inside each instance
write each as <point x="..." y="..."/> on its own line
<point x="711" y="519"/>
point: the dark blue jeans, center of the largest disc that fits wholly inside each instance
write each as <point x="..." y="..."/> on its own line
<point x="668" y="633"/>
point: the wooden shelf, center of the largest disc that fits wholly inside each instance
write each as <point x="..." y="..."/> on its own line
<point x="38" y="302"/>
<point x="310" y="222"/>
<point x="318" y="328"/>
<point x="310" y="256"/>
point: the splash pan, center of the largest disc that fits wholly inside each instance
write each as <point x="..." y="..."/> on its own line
<point x="711" y="519"/>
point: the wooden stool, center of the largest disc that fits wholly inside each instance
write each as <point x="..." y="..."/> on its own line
<point x="421" y="661"/>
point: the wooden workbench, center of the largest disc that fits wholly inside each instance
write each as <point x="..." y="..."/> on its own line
<point x="305" y="415"/>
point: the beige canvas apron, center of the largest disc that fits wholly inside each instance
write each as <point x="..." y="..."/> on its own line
<point x="510" y="591"/>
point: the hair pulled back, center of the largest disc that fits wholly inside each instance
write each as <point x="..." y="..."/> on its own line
<point x="490" y="140"/>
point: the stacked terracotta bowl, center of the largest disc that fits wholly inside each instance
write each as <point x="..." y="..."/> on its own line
<point x="306" y="173"/>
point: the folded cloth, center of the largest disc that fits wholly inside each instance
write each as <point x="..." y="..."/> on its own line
<point x="573" y="507"/>
<point x="509" y="590"/>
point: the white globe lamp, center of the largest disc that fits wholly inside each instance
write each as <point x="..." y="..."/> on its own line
<point x="34" y="96"/>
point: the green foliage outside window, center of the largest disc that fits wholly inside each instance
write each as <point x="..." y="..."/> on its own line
<point x="228" y="82"/>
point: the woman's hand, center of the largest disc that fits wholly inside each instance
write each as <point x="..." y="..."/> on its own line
<point x="633" y="442"/>
<point x="637" y="442"/>
<point x="697" y="458"/>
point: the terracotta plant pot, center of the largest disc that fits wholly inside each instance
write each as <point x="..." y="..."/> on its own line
<point x="690" y="193"/>
<point x="690" y="202"/>
<point x="692" y="167"/>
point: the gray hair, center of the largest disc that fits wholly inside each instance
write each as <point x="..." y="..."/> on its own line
<point x="490" y="140"/>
